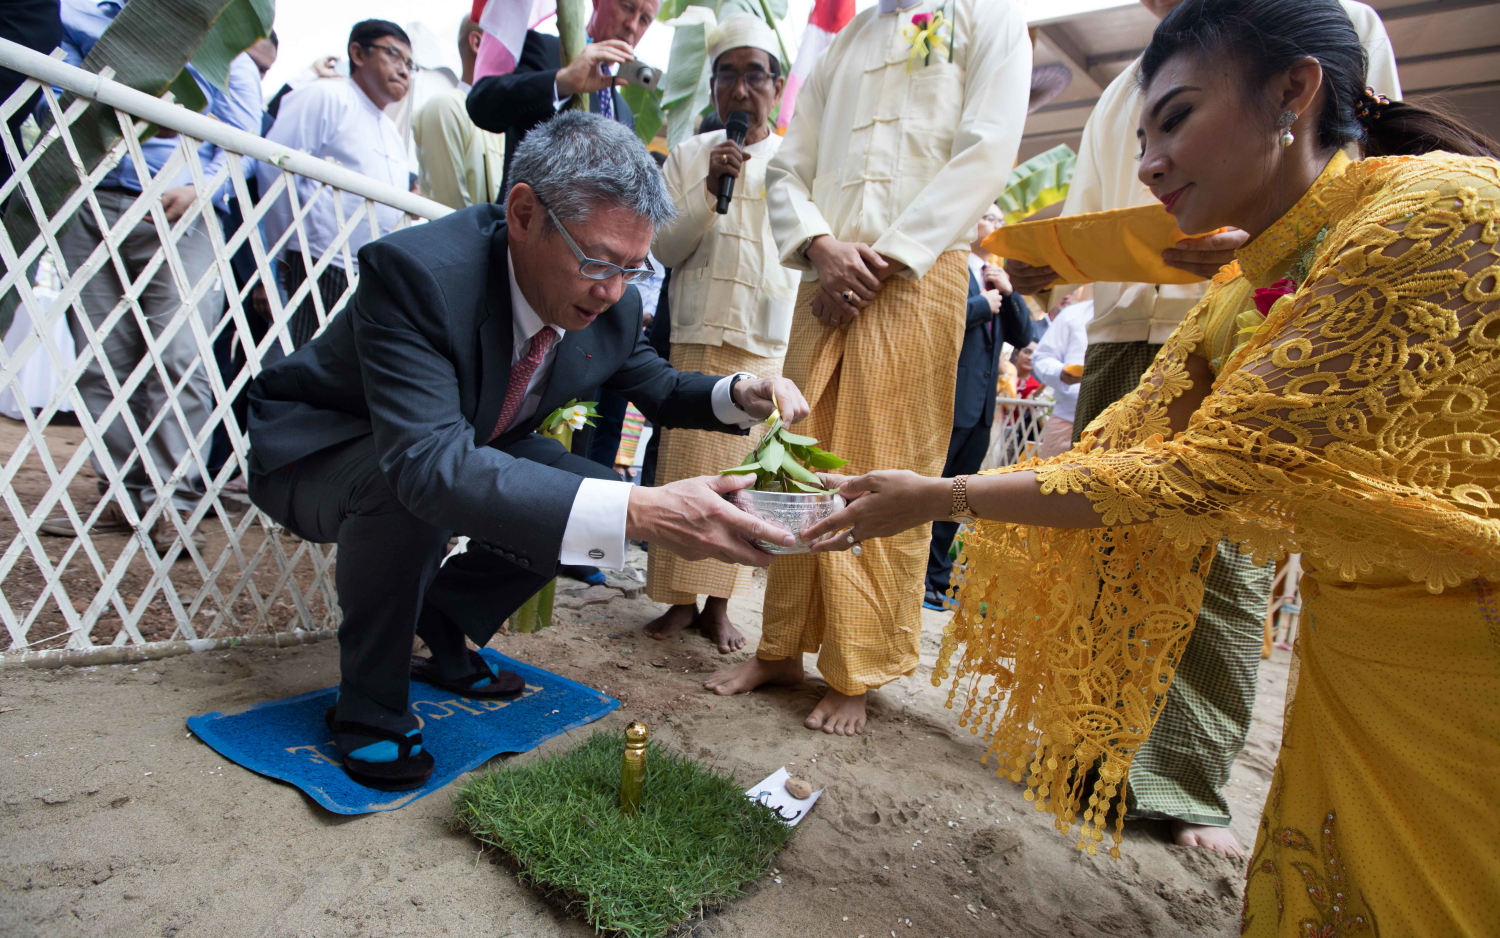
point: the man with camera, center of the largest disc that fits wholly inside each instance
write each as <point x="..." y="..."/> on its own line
<point x="541" y="85"/>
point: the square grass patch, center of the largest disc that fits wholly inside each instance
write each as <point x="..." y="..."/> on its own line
<point x="696" y="843"/>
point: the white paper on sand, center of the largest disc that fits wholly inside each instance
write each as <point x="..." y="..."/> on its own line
<point x="773" y="794"/>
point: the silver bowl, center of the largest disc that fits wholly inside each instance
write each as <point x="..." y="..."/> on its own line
<point x="792" y="510"/>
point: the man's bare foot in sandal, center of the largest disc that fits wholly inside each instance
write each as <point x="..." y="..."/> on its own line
<point x="838" y="714"/>
<point x="714" y="623"/>
<point x="1218" y="839"/>
<point x="674" y="620"/>
<point x="748" y="675"/>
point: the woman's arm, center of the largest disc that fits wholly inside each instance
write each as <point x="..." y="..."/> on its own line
<point x="889" y="502"/>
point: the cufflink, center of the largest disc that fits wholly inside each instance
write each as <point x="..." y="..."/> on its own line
<point x="596" y="554"/>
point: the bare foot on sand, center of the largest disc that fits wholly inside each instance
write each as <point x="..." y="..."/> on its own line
<point x="1217" y="839"/>
<point x="749" y="675"/>
<point x="674" y="620"/>
<point x="714" y="623"/>
<point x="839" y="714"/>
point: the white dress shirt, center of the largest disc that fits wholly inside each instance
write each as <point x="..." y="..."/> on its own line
<point x="728" y="285"/>
<point x="1104" y="178"/>
<point x="333" y="119"/>
<point x="904" y="161"/>
<point x="595" y="533"/>
<point x="1066" y="343"/>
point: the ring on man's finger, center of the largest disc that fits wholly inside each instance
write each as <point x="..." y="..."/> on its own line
<point x="848" y="296"/>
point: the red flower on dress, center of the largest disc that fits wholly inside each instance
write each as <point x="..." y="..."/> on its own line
<point x="1266" y="297"/>
<point x="921" y="20"/>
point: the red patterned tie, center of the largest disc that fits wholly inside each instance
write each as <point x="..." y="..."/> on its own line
<point x="520" y="377"/>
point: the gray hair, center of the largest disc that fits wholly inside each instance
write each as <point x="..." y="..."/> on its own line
<point x="577" y="161"/>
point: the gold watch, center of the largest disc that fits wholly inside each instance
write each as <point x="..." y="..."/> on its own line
<point x="961" y="512"/>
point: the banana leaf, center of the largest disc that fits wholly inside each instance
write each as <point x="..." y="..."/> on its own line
<point x="147" y="45"/>
<point x="1037" y="183"/>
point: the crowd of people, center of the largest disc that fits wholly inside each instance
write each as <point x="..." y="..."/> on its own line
<point x="1328" y="388"/>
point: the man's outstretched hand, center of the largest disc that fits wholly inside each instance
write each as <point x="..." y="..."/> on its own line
<point x="761" y="397"/>
<point x="692" y="520"/>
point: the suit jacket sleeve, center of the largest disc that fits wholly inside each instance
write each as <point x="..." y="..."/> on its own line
<point x="525" y="97"/>
<point x="1015" y="321"/>
<point x="424" y="442"/>
<point x="667" y="397"/>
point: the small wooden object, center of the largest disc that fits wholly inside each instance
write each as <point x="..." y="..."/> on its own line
<point x="633" y="767"/>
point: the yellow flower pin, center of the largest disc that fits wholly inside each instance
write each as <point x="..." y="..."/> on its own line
<point x="923" y="34"/>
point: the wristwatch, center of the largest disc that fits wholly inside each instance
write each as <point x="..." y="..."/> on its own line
<point x="961" y="512"/>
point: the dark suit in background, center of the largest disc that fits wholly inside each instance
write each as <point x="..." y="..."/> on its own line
<point x="35" y="24"/>
<point x="374" y="436"/>
<point x="513" y="104"/>
<point x="974" y="405"/>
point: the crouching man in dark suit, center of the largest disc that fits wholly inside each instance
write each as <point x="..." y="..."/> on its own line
<point x="410" y="419"/>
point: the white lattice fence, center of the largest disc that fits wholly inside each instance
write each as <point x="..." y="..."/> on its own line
<point x="142" y="380"/>
<point x="1017" y="430"/>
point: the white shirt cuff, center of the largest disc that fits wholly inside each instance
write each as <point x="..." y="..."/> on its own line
<point x="595" y="535"/>
<point x="724" y="407"/>
<point x="557" y="100"/>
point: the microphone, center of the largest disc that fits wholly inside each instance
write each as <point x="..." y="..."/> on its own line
<point x="737" y="127"/>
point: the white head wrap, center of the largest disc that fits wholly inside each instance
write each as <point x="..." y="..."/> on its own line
<point x="742" y="30"/>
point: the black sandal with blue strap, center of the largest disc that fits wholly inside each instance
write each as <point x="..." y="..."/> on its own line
<point x="411" y="768"/>
<point x="483" y="683"/>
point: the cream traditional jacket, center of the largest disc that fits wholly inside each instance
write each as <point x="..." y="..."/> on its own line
<point x="728" y="285"/>
<point x="903" y="154"/>
<point x="1105" y="178"/>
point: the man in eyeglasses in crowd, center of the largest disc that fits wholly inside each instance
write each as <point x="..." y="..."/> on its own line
<point x="541" y="85"/>
<point x="413" y="417"/>
<point x="342" y="119"/>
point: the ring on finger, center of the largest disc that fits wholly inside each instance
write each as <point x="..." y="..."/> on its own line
<point x="848" y="296"/>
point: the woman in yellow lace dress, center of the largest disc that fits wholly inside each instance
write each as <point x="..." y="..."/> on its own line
<point x="1337" y="393"/>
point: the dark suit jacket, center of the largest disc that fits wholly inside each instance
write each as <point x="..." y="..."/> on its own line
<point x="421" y="358"/>
<point x="513" y="104"/>
<point x="979" y="359"/>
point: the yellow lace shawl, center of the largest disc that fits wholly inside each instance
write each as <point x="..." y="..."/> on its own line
<point x="1359" y="423"/>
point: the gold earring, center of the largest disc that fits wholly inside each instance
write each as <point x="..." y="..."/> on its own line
<point x="1285" y="122"/>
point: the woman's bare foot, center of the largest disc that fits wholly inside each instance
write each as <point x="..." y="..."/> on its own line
<point x="1217" y="839"/>
<point x="749" y="675"/>
<point x="714" y="623"/>
<point x="839" y="714"/>
<point x="674" y="620"/>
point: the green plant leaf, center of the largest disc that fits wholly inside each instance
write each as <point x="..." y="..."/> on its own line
<point x="1038" y="183"/>
<point x="797" y="473"/>
<point x="825" y="460"/>
<point x="646" y="103"/>
<point x="773" y="455"/>
<point x="236" y="29"/>
<point x="788" y="436"/>
<point x="741" y="470"/>
<point x="809" y="488"/>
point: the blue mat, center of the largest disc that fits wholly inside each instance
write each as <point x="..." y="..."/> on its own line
<point x="287" y="739"/>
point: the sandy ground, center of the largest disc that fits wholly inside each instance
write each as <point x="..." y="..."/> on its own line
<point x="117" y="822"/>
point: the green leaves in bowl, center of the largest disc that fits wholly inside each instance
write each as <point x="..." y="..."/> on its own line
<point x="787" y="462"/>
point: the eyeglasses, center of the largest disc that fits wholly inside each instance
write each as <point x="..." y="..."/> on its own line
<point x="755" y="81"/>
<point x="596" y="269"/>
<point x="396" y="54"/>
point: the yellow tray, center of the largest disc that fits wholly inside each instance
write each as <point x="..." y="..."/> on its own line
<point x="1119" y="246"/>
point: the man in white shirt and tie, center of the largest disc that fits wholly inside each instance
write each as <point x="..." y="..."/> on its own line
<point x="343" y="120"/>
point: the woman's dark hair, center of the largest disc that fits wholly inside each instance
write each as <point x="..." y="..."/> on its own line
<point x="368" y="32"/>
<point x="1270" y="36"/>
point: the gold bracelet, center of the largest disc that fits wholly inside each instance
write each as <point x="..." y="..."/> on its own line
<point x="961" y="512"/>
